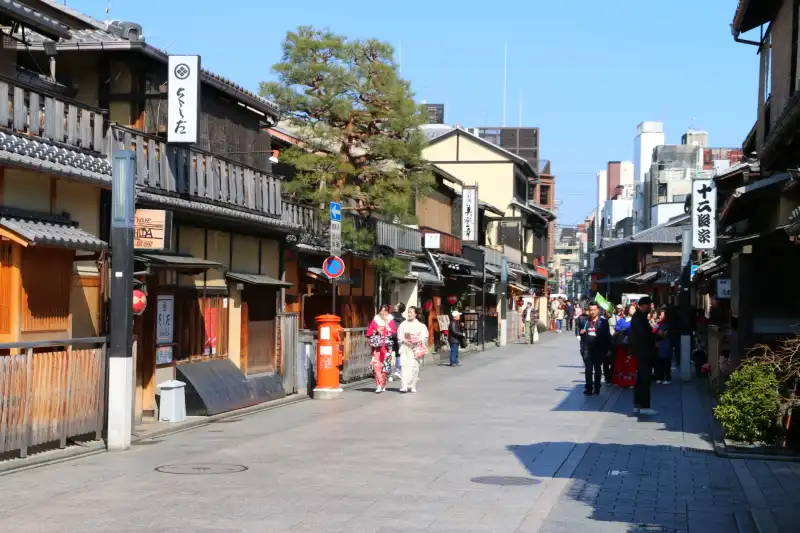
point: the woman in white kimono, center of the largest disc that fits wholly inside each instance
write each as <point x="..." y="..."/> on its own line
<point x="412" y="335"/>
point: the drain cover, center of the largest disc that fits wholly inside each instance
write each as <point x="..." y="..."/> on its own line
<point x="201" y="469"/>
<point x="505" y="481"/>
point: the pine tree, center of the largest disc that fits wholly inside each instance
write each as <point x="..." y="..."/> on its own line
<point x="346" y="99"/>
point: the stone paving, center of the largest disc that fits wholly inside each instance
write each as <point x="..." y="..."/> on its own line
<point x="505" y="443"/>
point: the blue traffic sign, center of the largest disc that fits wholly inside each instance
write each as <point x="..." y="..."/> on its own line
<point x="693" y="271"/>
<point x="336" y="212"/>
<point x="333" y="267"/>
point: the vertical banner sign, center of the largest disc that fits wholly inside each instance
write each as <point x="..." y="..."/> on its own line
<point x="336" y="228"/>
<point x="504" y="272"/>
<point x="183" y="102"/>
<point x="469" y="214"/>
<point x="165" y="309"/>
<point x="704" y="214"/>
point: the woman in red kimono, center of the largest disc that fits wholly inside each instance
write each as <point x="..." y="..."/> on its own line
<point x="624" y="362"/>
<point x="380" y="333"/>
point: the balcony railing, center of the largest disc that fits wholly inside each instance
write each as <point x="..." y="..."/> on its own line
<point x="493" y="257"/>
<point x="448" y="244"/>
<point x="398" y="238"/>
<point x="198" y="174"/>
<point x="305" y="217"/>
<point x="514" y="255"/>
<point x="29" y="112"/>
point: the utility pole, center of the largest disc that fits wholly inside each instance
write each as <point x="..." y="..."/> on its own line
<point x="686" y="303"/>
<point x="120" y="360"/>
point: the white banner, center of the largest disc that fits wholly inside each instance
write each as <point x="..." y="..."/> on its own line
<point x="704" y="214"/>
<point x="469" y="214"/>
<point x="183" y="102"/>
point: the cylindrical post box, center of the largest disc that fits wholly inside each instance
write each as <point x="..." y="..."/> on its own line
<point x="329" y="357"/>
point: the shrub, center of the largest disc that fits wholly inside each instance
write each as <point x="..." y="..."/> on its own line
<point x="750" y="404"/>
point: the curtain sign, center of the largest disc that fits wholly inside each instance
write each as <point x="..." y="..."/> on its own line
<point x="469" y="214"/>
<point x="183" y="102"/>
<point x="704" y="214"/>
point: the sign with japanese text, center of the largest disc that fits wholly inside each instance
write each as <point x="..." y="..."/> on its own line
<point x="183" y="102"/>
<point x="336" y="229"/>
<point x="704" y="214"/>
<point x="724" y="288"/>
<point x="152" y="229"/>
<point x="469" y="214"/>
<point x="165" y="318"/>
<point x="433" y="241"/>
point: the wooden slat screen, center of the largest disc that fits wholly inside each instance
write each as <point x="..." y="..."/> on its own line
<point x="5" y="288"/>
<point x="46" y="282"/>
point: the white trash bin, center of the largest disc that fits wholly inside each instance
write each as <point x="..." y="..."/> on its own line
<point x="173" y="401"/>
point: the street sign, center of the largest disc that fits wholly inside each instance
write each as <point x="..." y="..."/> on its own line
<point x="693" y="271"/>
<point x="724" y="288"/>
<point x="336" y="229"/>
<point x="333" y="267"/>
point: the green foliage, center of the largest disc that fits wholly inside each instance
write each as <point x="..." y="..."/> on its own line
<point x="390" y="267"/>
<point x="346" y="99"/>
<point x="750" y="404"/>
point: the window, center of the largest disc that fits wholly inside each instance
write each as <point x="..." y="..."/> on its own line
<point x="5" y="288"/>
<point x="46" y="284"/>
<point x="544" y="195"/>
<point x="201" y="325"/>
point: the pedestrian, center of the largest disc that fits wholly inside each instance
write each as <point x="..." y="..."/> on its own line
<point x="624" y="363"/>
<point x="379" y="333"/>
<point x="529" y="321"/>
<point x="642" y="341"/>
<point x="413" y="336"/>
<point x="570" y="315"/>
<point x="663" y="373"/>
<point x="595" y="344"/>
<point x="673" y="319"/>
<point x="455" y="335"/>
<point x="397" y="314"/>
<point x="560" y="313"/>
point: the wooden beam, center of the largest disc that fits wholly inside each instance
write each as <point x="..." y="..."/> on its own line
<point x="13" y="237"/>
<point x="2" y="184"/>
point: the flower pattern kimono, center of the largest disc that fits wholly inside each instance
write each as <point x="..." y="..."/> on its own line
<point x="413" y="338"/>
<point x="379" y="334"/>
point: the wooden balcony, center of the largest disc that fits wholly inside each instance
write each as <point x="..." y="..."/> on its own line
<point x="448" y="244"/>
<point x="398" y="238"/>
<point x="305" y="217"/>
<point x="197" y="174"/>
<point x="32" y="113"/>
<point x="493" y="257"/>
<point x="514" y="255"/>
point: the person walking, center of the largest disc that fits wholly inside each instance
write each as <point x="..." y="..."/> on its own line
<point x="570" y="315"/>
<point x="642" y="341"/>
<point x="397" y="314"/>
<point x="413" y="337"/>
<point x="624" y="362"/>
<point x="379" y="333"/>
<point x="663" y="373"/>
<point x="529" y="321"/>
<point x="560" y="318"/>
<point x="455" y="335"/>
<point x="595" y="344"/>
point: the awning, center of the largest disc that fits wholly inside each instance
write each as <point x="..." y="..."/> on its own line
<point x="257" y="279"/>
<point x="31" y="19"/>
<point x="617" y="279"/>
<point x="428" y="279"/>
<point x="420" y="266"/>
<point x="494" y="271"/>
<point x="49" y="232"/>
<point x="647" y="277"/>
<point x="517" y="287"/>
<point x="709" y="266"/>
<point x="317" y="273"/>
<point x="474" y="288"/>
<point x="453" y="260"/>
<point x="179" y="262"/>
<point x="536" y="275"/>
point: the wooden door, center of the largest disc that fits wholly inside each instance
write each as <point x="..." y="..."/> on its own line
<point x="260" y="334"/>
<point x="243" y="351"/>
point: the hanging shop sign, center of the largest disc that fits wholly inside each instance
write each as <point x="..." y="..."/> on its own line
<point x="152" y="229"/>
<point x="183" y="102"/>
<point x="704" y="214"/>
<point x="724" y="288"/>
<point x="433" y="241"/>
<point x="469" y="214"/>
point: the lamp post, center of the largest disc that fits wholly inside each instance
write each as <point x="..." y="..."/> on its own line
<point x="120" y="361"/>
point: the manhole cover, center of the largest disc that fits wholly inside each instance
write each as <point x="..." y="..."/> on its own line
<point x="506" y="481"/>
<point x="201" y="469"/>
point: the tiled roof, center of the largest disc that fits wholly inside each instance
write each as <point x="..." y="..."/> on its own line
<point x="257" y="279"/>
<point x="216" y="210"/>
<point x="56" y="231"/>
<point x="666" y="233"/>
<point x="97" y="37"/>
<point x="33" y="19"/>
<point x="177" y="261"/>
<point x="38" y="155"/>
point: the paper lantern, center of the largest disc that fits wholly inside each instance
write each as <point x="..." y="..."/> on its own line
<point x="452" y="299"/>
<point x="139" y="301"/>
<point x="427" y="306"/>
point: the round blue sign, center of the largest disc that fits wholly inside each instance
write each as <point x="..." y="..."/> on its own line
<point x="333" y="267"/>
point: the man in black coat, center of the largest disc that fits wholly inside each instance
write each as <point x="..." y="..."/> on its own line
<point x="642" y="342"/>
<point x="595" y="343"/>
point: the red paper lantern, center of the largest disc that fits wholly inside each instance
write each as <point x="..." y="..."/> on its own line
<point x="452" y="299"/>
<point x="427" y="306"/>
<point x="139" y="301"/>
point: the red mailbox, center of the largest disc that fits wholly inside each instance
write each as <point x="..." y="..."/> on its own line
<point x="330" y="336"/>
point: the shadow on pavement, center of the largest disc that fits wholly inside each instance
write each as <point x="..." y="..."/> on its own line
<point x="651" y="488"/>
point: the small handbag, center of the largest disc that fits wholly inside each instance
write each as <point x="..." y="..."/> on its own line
<point x="420" y="351"/>
<point x="463" y="341"/>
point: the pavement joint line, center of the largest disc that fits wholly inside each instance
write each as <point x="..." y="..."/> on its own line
<point x="557" y="485"/>
<point x="13" y="467"/>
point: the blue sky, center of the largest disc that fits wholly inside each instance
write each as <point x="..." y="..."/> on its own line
<point x="589" y="71"/>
